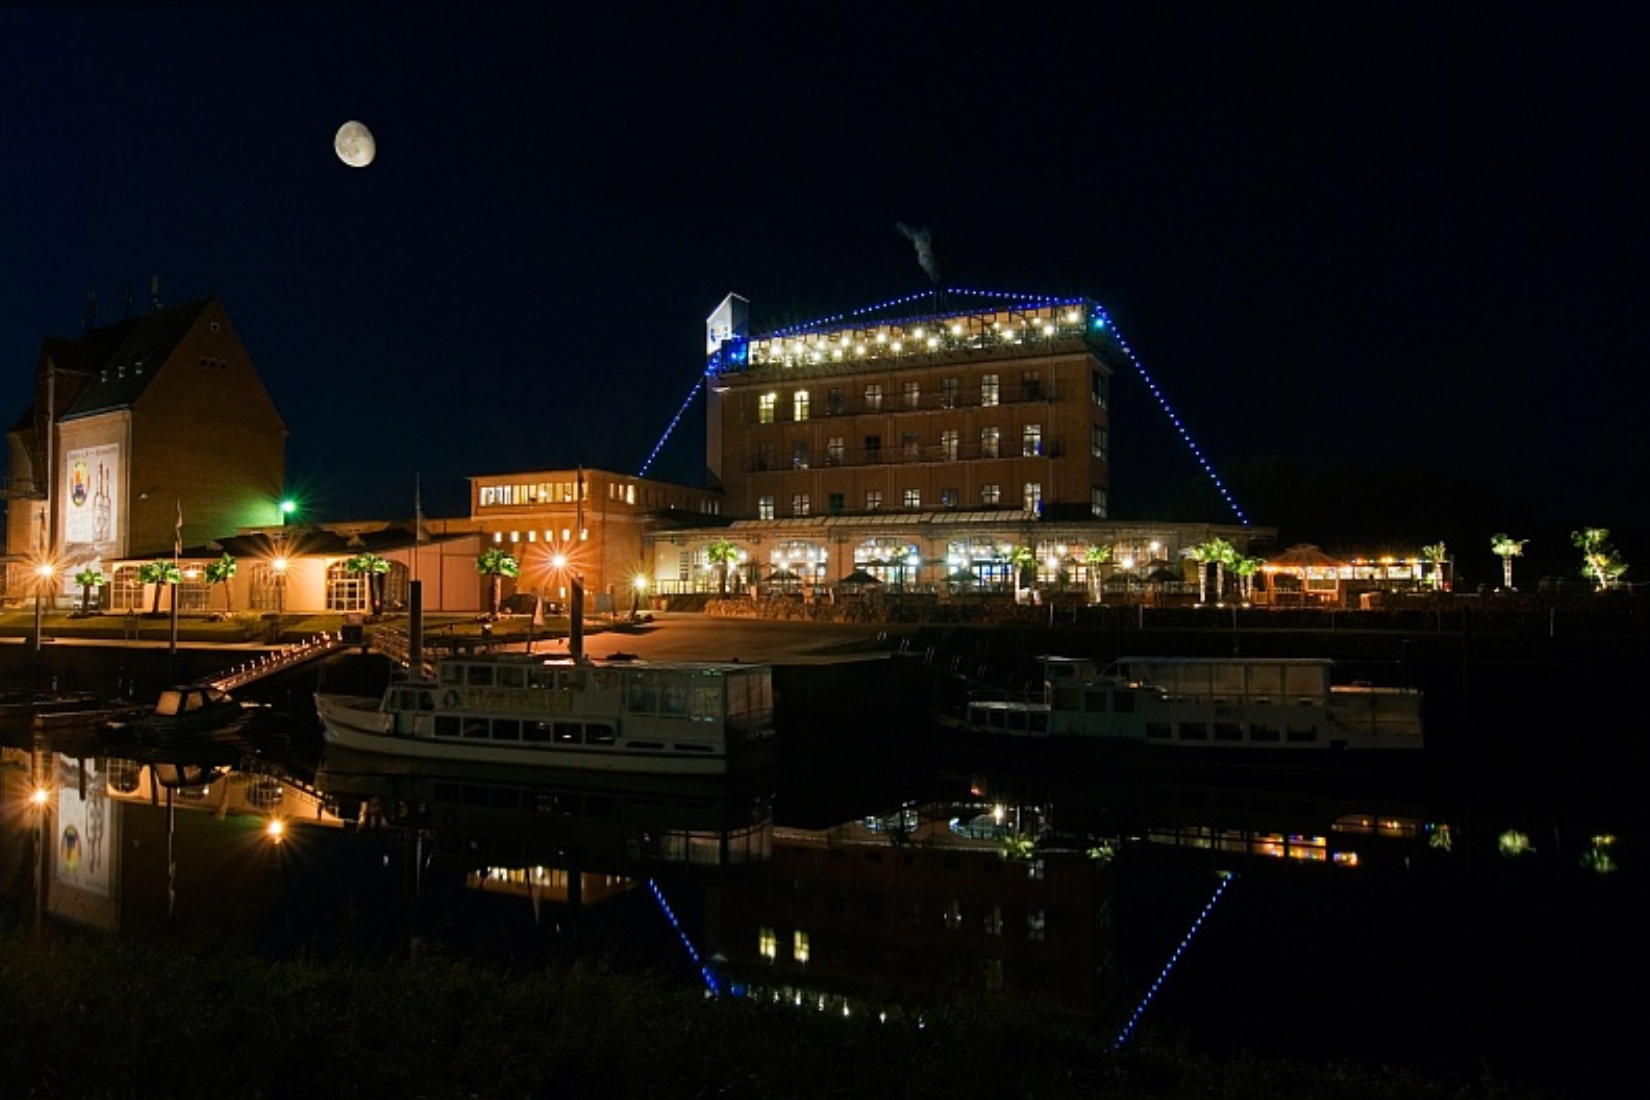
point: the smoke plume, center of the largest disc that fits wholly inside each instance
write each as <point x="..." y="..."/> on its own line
<point x="924" y="244"/>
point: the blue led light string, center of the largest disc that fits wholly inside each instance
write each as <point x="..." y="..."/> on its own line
<point x="675" y="420"/>
<point x="1226" y="880"/>
<point x="705" y="972"/>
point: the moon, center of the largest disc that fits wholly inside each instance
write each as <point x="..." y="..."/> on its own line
<point x="354" y="144"/>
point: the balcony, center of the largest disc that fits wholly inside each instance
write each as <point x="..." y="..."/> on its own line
<point x="895" y="404"/>
<point x="897" y="455"/>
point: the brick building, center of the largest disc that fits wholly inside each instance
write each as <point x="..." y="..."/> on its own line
<point x="134" y="424"/>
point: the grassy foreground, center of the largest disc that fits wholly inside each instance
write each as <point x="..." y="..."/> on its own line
<point x="94" y="1018"/>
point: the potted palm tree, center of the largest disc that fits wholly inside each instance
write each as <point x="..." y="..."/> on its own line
<point x="1094" y="557"/>
<point x="1506" y="548"/>
<point x="376" y="567"/>
<point x="496" y="564"/>
<point x="161" y="571"/>
<point x="221" y="572"/>
<point x="722" y="554"/>
<point x="89" y="579"/>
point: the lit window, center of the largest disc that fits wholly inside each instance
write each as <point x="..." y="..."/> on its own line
<point x="767" y="944"/>
<point x="1100" y="389"/>
<point x="988" y="442"/>
<point x="913" y="498"/>
<point x="911" y="393"/>
<point x="1031" y="440"/>
<point x="873" y="500"/>
<point x="835" y="451"/>
<point x="799" y="946"/>
<point x="799" y="405"/>
<point x="764" y="407"/>
<point x="949" y="498"/>
<point x="953" y="915"/>
<point x="1097" y="441"/>
<point x="911" y="445"/>
<point x="764" y="507"/>
<point x="1036" y="924"/>
<point x="799" y="504"/>
<point x="949" y="444"/>
<point x="990" y="389"/>
<point x="1097" y="502"/>
<point x="873" y="396"/>
<point x="991" y="494"/>
<point x="948" y="393"/>
<point x="1034" y="496"/>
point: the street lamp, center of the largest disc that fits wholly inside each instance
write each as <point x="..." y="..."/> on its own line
<point x="43" y="574"/>
<point x="279" y="565"/>
<point x="638" y="587"/>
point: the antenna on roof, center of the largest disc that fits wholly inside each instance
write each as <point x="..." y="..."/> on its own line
<point x="89" y="317"/>
<point x="154" y="292"/>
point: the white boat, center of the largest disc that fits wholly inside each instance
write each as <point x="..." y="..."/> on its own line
<point x="1211" y="703"/>
<point x="671" y="718"/>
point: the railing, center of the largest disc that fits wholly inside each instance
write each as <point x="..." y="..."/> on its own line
<point x="287" y="656"/>
<point x="897" y="454"/>
<point x="397" y="646"/>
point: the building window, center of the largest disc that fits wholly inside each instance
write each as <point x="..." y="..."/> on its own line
<point x="835" y="451"/>
<point x="873" y="396"/>
<point x="988" y="442"/>
<point x="1097" y="502"/>
<point x="990" y="389"/>
<point x="913" y="498"/>
<point x="266" y="587"/>
<point x="994" y="921"/>
<point x="953" y="915"/>
<point x="873" y="448"/>
<point x="799" y="454"/>
<point x="1100" y="389"/>
<point x="911" y="445"/>
<point x="991" y="493"/>
<point x="1031" y="440"/>
<point x="126" y="591"/>
<point x="799" y="946"/>
<point x="835" y="503"/>
<point x="1031" y="385"/>
<point x="911" y="394"/>
<point x="346" y="591"/>
<point x="765" y="406"/>
<point x="1098" y="439"/>
<point x="764" y="507"/>
<point x="873" y="500"/>
<point x="949" y="498"/>
<point x="1034" y="496"/>
<point x="767" y="944"/>
<point x="948" y="393"/>
<point x="799" y="405"/>
<point x="949" y="444"/>
<point x="833" y="402"/>
<point x="1036" y="924"/>
<point x="799" y="504"/>
<point x="764" y="456"/>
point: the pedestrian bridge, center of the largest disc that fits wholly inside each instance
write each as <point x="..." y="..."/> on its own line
<point x="277" y="660"/>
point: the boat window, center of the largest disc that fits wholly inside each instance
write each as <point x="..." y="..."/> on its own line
<point x="573" y="679"/>
<point x="640" y="697"/>
<point x="1194" y="731"/>
<point x="478" y="675"/>
<point x="569" y="733"/>
<point x="707" y="702"/>
<point x="541" y="677"/>
<point x="506" y="729"/>
<point x="1305" y="736"/>
<point x="452" y="673"/>
<point x="169" y="704"/>
<point x="475" y="727"/>
<point x="650" y="746"/>
<point x="1263" y="734"/>
<point x="512" y="676"/>
<point x="406" y="700"/>
<point x="426" y="701"/>
<point x="1097" y="702"/>
<point x="446" y="725"/>
<point x="1228" y="731"/>
<point x="673" y="697"/>
<point x="681" y="746"/>
<point x="193" y="701"/>
<point x="535" y="731"/>
<point x="598" y="735"/>
<point x="1157" y="730"/>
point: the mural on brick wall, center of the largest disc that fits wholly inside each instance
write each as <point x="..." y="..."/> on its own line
<point x="89" y="512"/>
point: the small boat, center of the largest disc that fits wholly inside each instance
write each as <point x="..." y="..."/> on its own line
<point x="190" y="710"/>
<point x="1286" y="704"/>
<point x="683" y="718"/>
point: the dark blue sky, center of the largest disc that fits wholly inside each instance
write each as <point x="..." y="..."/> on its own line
<point x="1387" y="235"/>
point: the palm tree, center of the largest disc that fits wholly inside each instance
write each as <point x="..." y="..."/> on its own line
<point x="722" y="554"/>
<point x="1437" y="554"/>
<point x="1599" y="560"/>
<point x="1216" y="550"/>
<point x="221" y="572"/>
<point x="1508" y="548"/>
<point x="496" y="564"/>
<point x="89" y="579"/>
<point x="375" y="567"/>
<point x="158" y="572"/>
<point x="1024" y="560"/>
<point x="1246" y="568"/>
<point x="1094" y="557"/>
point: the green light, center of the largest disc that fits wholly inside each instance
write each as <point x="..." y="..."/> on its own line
<point x="288" y="506"/>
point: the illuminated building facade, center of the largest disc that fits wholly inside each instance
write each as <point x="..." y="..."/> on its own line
<point x="136" y="427"/>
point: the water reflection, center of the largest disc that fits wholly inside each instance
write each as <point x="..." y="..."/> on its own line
<point x="1382" y="903"/>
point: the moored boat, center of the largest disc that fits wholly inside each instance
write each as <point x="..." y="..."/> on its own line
<point x="1287" y="704"/>
<point x="678" y="717"/>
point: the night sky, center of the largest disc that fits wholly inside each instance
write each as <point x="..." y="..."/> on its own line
<point x="1398" y="245"/>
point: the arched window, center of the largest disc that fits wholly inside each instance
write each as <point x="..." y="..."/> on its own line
<point x="125" y="590"/>
<point x="346" y="591"/>
<point x="265" y="592"/>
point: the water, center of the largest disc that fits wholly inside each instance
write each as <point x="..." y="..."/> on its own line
<point x="1454" y="910"/>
